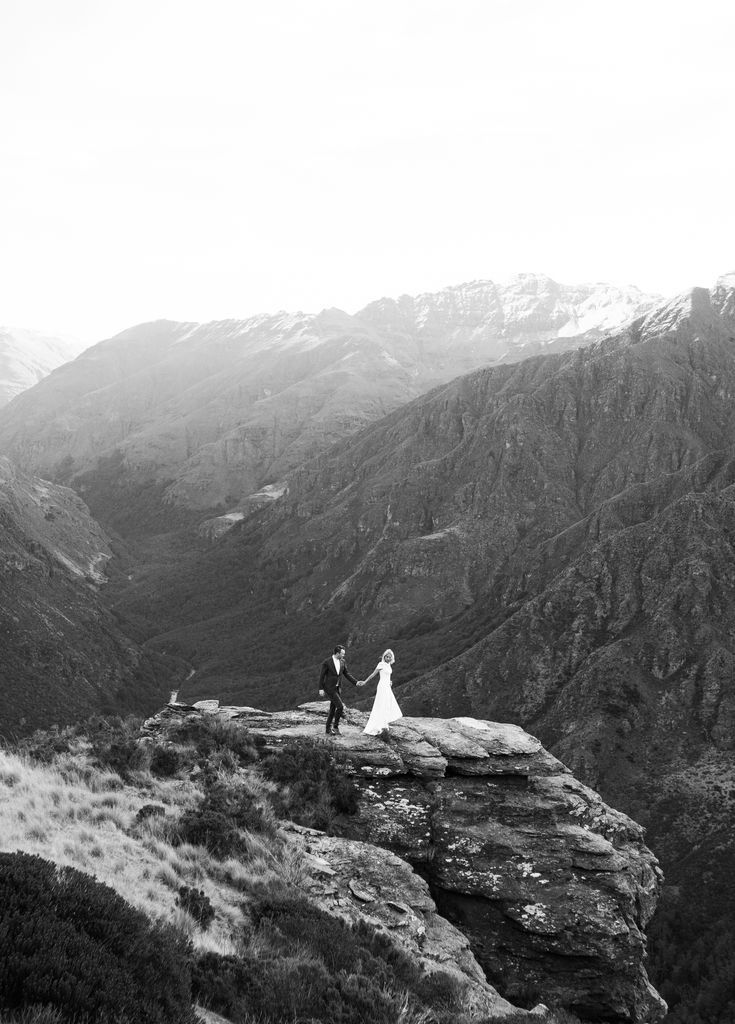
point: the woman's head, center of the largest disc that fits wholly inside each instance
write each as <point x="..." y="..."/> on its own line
<point x="389" y="656"/>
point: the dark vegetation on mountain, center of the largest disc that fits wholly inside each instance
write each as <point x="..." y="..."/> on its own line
<point x="63" y="654"/>
<point x="71" y="944"/>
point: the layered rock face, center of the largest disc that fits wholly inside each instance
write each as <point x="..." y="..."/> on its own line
<point x="212" y="413"/>
<point x="552" y="887"/>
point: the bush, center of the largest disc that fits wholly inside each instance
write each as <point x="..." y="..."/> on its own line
<point x="44" y="745"/>
<point x="272" y="990"/>
<point x="165" y="761"/>
<point x="150" y="811"/>
<point x="218" y="820"/>
<point x="312" y="966"/>
<point x="198" y="904"/>
<point x="299" y="923"/>
<point x="70" y="943"/>
<point x="215" y="739"/>
<point x="318" y="786"/>
<point x="115" y="744"/>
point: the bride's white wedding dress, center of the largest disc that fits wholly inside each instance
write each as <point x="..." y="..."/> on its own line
<point x="385" y="705"/>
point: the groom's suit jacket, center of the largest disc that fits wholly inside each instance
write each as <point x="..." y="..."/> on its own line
<point x="330" y="680"/>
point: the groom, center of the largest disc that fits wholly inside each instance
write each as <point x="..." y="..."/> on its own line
<point x="333" y="672"/>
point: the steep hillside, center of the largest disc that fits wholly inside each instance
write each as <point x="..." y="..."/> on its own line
<point x="203" y="416"/>
<point x="26" y="357"/>
<point x="62" y="654"/>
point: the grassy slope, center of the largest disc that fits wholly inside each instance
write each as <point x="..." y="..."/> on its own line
<point x="75" y="813"/>
<point x="82" y="817"/>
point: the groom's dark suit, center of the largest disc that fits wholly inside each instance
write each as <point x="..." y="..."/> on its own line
<point x="330" y="680"/>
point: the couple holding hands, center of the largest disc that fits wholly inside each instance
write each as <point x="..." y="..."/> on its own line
<point x="385" y="707"/>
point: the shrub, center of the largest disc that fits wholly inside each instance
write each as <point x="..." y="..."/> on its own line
<point x="73" y="944"/>
<point x="272" y="990"/>
<point x="218" y="820"/>
<point x="165" y="761"/>
<point x="44" y="745"/>
<point x="312" y="966"/>
<point x="206" y="826"/>
<point x="318" y="786"/>
<point x="341" y="946"/>
<point x="442" y="991"/>
<point x="196" y="903"/>
<point x="213" y="738"/>
<point x="150" y="811"/>
<point x="115" y="744"/>
<point x="220" y="761"/>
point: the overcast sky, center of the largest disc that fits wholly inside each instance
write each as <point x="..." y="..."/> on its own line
<point x="200" y="159"/>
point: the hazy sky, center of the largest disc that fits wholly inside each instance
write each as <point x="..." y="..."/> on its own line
<point x="199" y="159"/>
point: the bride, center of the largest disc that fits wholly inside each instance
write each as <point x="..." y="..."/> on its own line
<point x="385" y="705"/>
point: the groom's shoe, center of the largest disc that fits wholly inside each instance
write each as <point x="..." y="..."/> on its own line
<point x="336" y="732"/>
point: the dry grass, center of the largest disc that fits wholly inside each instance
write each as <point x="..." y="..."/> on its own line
<point x="76" y="815"/>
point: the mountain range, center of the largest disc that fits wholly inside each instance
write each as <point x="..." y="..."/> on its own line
<point x="204" y="416"/>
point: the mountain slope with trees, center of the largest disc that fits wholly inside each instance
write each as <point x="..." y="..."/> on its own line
<point x="63" y="655"/>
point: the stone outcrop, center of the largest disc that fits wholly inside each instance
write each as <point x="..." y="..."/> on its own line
<point x="552" y="887"/>
<point x="358" y="881"/>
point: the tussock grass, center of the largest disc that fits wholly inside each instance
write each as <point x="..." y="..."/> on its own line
<point x="75" y="814"/>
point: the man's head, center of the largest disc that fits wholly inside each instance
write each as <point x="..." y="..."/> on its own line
<point x="339" y="651"/>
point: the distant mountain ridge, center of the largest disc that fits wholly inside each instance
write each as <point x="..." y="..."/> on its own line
<point x="212" y="413"/>
<point x="27" y="356"/>
<point x="509" y="321"/>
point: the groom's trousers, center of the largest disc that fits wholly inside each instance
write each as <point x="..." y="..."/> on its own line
<point x="336" y="707"/>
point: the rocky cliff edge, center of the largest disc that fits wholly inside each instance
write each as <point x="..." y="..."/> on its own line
<point x="552" y="887"/>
